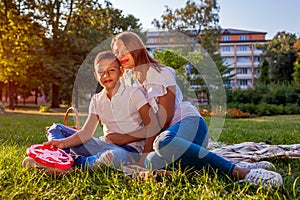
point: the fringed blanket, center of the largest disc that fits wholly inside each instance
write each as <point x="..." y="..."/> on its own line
<point x="253" y="152"/>
<point x="246" y="151"/>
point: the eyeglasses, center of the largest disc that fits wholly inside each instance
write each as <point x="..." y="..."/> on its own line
<point x="122" y="51"/>
<point x="108" y="71"/>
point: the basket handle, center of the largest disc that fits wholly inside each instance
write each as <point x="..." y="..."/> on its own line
<point x="77" y="126"/>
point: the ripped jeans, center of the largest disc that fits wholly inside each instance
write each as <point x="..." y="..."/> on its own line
<point x="94" y="150"/>
<point x="186" y="142"/>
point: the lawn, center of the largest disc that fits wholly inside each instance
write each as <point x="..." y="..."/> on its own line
<point x="19" y="130"/>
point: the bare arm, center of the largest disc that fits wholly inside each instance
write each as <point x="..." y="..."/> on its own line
<point x="166" y="108"/>
<point x="165" y="115"/>
<point x="80" y="137"/>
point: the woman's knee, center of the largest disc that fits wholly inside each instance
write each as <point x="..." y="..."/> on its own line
<point x="162" y="140"/>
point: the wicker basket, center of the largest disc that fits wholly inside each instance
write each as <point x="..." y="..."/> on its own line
<point x="77" y="119"/>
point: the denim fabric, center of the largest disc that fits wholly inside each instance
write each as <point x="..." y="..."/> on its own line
<point x="91" y="150"/>
<point x="186" y="142"/>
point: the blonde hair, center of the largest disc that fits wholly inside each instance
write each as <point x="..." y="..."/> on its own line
<point x="135" y="45"/>
<point x="105" y="55"/>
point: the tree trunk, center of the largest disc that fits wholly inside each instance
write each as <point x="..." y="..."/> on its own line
<point x="11" y="91"/>
<point x="36" y="97"/>
<point x="55" y="99"/>
<point x="1" y="85"/>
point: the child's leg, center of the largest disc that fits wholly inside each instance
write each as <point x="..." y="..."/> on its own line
<point x="111" y="155"/>
<point x="59" y="131"/>
<point x="91" y="147"/>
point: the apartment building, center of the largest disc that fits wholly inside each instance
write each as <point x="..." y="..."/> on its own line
<point x="237" y="48"/>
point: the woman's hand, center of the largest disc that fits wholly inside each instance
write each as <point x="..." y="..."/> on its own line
<point x="54" y="144"/>
<point x="140" y="162"/>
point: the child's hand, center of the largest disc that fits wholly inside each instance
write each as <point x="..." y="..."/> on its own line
<point x="54" y="144"/>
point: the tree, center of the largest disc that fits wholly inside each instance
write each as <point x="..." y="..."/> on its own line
<point x="171" y="58"/>
<point x="73" y="29"/>
<point x="296" y="47"/>
<point x="175" y="59"/>
<point x="296" y="74"/>
<point x="20" y="47"/>
<point x="264" y="73"/>
<point x="199" y="20"/>
<point x="281" y="56"/>
<point x="193" y="17"/>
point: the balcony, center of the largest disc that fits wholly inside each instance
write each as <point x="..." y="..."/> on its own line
<point x="244" y="76"/>
<point x="227" y="53"/>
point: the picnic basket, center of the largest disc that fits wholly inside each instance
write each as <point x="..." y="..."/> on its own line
<point x="77" y="119"/>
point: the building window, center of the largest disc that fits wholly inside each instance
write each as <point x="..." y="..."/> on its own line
<point x="165" y="41"/>
<point x="242" y="71"/>
<point x="225" y="38"/>
<point x="243" y="37"/>
<point x="228" y="83"/>
<point x="225" y="48"/>
<point x="151" y="40"/>
<point x="242" y="82"/>
<point x="243" y="59"/>
<point x="242" y="48"/>
<point x="256" y="59"/>
<point x="256" y="71"/>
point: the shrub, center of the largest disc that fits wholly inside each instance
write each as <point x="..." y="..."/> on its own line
<point x="269" y="109"/>
<point x="204" y="113"/>
<point x="292" y="109"/>
<point x="248" y="107"/>
<point x="44" y="109"/>
<point x="236" y="113"/>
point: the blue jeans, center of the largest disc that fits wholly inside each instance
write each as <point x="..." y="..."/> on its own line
<point x="185" y="142"/>
<point x="93" y="149"/>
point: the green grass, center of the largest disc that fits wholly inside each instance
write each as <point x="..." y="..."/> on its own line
<point x="19" y="131"/>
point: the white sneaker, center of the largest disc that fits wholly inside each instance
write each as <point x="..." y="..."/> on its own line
<point x="29" y="162"/>
<point x="256" y="165"/>
<point x="263" y="177"/>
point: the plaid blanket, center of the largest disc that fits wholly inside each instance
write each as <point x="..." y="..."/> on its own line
<point x="253" y="152"/>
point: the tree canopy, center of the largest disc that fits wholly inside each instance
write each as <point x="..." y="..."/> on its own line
<point x="199" y="20"/>
<point x="281" y="57"/>
<point x="43" y="43"/>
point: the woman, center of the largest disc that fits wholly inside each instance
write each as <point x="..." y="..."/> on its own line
<point x="184" y="135"/>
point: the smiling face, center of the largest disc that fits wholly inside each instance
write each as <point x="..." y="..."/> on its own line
<point x="123" y="55"/>
<point x="107" y="73"/>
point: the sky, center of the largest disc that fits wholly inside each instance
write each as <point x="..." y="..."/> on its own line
<point x="269" y="16"/>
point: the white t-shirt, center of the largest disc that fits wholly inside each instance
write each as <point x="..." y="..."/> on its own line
<point x="156" y="84"/>
<point x="120" y="114"/>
